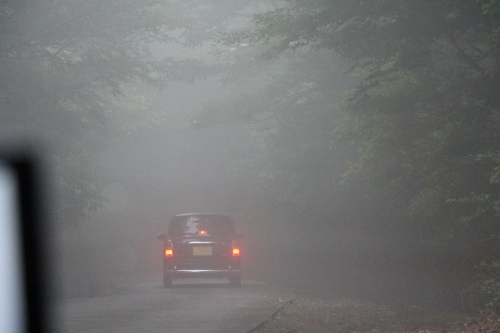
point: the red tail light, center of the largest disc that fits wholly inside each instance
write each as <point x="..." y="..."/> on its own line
<point x="236" y="248"/>
<point x="169" y="249"/>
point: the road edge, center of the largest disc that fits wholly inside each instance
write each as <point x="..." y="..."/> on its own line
<point x="273" y="315"/>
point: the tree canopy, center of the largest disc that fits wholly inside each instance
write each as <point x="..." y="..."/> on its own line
<point x="422" y="116"/>
<point x="417" y="108"/>
<point x="69" y="66"/>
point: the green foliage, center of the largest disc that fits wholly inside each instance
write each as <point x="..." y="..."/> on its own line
<point x="427" y="98"/>
<point x="68" y="67"/>
<point x="420" y="124"/>
<point x="489" y="283"/>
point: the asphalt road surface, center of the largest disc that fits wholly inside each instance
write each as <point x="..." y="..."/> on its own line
<point x="190" y="306"/>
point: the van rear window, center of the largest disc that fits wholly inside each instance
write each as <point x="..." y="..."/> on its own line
<point x="201" y="226"/>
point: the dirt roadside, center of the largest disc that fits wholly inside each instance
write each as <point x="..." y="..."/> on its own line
<point x="315" y="315"/>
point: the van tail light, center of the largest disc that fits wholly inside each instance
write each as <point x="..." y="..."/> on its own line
<point x="236" y="248"/>
<point x="169" y="249"/>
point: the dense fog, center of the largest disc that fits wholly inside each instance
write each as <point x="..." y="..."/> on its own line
<point x="356" y="147"/>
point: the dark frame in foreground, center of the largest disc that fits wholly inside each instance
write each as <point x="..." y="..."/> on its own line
<point x="31" y="204"/>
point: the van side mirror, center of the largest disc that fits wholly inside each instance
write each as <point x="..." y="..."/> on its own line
<point x="161" y="237"/>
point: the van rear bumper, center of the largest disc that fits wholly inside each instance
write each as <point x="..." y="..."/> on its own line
<point x="203" y="273"/>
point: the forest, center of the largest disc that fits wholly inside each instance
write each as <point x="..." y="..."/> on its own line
<point x="357" y="143"/>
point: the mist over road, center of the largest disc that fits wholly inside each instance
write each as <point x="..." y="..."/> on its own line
<point x="190" y="306"/>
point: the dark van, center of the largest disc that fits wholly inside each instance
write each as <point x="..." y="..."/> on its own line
<point x="201" y="245"/>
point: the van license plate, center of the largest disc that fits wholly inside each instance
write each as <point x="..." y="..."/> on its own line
<point x="202" y="250"/>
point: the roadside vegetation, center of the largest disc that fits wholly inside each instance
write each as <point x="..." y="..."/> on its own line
<point x="315" y="315"/>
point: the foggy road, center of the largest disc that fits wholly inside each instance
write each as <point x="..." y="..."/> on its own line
<point x="190" y="306"/>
